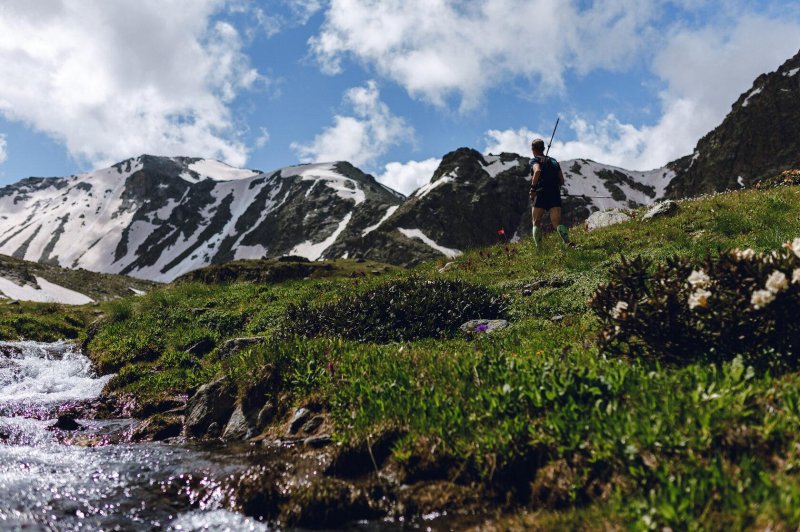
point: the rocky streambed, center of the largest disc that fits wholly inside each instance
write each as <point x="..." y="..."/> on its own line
<point x="218" y="461"/>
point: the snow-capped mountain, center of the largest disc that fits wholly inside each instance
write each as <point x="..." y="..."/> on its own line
<point x="157" y="218"/>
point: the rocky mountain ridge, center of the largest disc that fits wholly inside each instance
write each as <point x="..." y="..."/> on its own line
<point x="157" y="218"/>
<point x="759" y="138"/>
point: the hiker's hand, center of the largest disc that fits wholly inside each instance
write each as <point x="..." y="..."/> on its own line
<point x="532" y="194"/>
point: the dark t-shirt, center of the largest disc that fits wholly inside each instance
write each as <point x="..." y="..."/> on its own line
<point x="550" y="179"/>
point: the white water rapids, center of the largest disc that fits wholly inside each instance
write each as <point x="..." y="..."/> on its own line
<point x="46" y="484"/>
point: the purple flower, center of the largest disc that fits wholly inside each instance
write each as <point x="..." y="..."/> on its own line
<point x="482" y="328"/>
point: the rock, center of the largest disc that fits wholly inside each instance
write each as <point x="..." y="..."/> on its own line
<point x="202" y="348"/>
<point x="235" y="345"/>
<point x="65" y="422"/>
<point x="158" y="428"/>
<point x="311" y="426"/>
<point x="605" y="218"/>
<point x="318" y="441"/>
<point x="265" y="415"/>
<point x="557" y="317"/>
<point x="299" y="418"/>
<point x="662" y="208"/>
<point x="237" y="428"/>
<point x="527" y="292"/>
<point x="213" y="403"/>
<point x="483" y="326"/>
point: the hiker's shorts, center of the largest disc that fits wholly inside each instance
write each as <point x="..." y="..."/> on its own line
<point x="547" y="198"/>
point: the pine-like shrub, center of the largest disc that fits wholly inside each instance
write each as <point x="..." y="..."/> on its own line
<point x="397" y="311"/>
<point x="738" y="303"/>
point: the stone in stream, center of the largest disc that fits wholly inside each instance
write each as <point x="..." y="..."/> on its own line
<point x="158" y="428"/>
<point x="65" y="422"/>
<point x="213" y="403"/>
<point x="299" y="418"/>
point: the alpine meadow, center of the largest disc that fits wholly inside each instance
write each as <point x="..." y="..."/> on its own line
<point x="490" y="339"/>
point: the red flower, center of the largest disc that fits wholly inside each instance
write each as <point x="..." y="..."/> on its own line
<point x="501" y="232"/>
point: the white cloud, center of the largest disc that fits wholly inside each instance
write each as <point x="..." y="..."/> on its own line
<point x="263" y="138"/>
<point x="463" y="48"/>
<point x="408" y="177"/>
<point x="700" y="88"/>
<point x="115" y="79"/>
<point x="3" y="149"/>
<point x="359" y="139"/>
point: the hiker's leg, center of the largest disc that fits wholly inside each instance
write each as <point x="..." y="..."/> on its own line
<point x="538" y="214"/>
<point x="555" y="219"/>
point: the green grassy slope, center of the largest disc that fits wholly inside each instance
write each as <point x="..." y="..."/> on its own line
<point x="535" y="412"/>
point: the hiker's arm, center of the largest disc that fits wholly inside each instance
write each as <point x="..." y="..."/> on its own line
<point x="537" y="173"/>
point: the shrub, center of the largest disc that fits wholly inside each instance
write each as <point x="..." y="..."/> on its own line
<point x="737" y="303"/>
<point x="786" y="178"/>
<point x="397" y="311"/>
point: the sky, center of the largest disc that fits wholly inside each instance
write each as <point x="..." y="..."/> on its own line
<point x="389" y="85"/>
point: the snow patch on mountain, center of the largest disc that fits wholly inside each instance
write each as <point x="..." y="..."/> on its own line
<point x="344" y="187"/>
<point x="46" y="292"/>
<point x="313" y="251"/>
<point x="754" y="92"/>
<point x="390" y="211"/>
<point x="496" y="166"/>
<point x="219" y="171"/>
<point x="416" y="233"/>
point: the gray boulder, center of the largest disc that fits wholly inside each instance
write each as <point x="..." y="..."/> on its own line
<point x="235" y="345"/>
<point x="662" y="208"/>
<point x="605" y="218"/>
<point x="483" y="326"/>
<point x="213" y="403"/>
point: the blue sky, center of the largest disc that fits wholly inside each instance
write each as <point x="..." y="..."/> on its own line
<point x="390" y="85"/>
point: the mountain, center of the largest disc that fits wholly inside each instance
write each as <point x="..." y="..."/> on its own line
<point x="157" y="217"/>
<point x="759" y="138"/>
<point x="473" y="196"/>
<point x="31" y="281"/>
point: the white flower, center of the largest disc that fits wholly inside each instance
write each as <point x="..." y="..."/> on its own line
<point x="796" y="276"/>
<point x="747" y="254"/>
<point x="776" y="282"/>
<point x="620" y="311"/>
<point x="795" y="247"/>
<point x="699" y="279"/>
<point x="761" y="298"/>
<point x="699" y="299"/>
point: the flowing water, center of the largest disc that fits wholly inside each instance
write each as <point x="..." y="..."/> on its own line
<point x="47" y="484"/>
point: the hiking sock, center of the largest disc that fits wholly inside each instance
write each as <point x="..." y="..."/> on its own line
<point x="563" y="232"/>
<point x="537" y="235"/>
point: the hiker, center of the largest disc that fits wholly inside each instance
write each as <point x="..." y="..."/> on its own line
<point x="546" y="182"/>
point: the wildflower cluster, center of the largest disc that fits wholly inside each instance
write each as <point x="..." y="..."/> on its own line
<point x="737" y="303"/>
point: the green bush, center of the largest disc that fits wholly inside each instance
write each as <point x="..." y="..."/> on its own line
<point x="736" y="303"/>
<point x="397" y="311"/>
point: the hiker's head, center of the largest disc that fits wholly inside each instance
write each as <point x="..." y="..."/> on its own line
<point x="537" y="146"/>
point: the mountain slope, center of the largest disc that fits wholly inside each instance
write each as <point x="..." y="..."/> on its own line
<point x="759" y="138"/>
<point x="157" y="217"/>
<point x="30" y="281"/>
<point x="473" y="196"/>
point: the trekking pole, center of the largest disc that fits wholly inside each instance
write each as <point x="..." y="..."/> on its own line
<point x="552" y="137"/>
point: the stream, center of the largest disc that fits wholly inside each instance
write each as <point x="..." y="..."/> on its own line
<point x="47" y="484"/>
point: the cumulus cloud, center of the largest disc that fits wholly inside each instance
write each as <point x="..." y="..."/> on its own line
<point x="3" y="149"/>
<point x="115" y="79"/>
<point x="359" y="139"/>
<point x="409" y="176"/>
<point x="462" y="48"/>
<point x="699" y="90"/>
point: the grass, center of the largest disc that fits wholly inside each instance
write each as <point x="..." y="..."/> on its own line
<point x="535" y="412"/>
